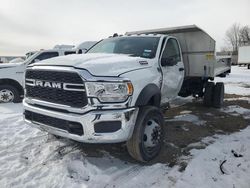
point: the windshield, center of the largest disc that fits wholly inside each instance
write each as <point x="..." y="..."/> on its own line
<point x="135" y="46"/>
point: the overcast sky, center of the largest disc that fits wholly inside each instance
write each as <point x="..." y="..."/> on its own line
<point x="27" y="25"/>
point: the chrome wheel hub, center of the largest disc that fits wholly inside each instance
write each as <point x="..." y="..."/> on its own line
<point x="6" y="95"/>
<point x="152" y="134"/>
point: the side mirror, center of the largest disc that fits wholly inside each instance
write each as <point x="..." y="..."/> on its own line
<point x="168" y="61"/>
<point x="36" y="60"/>
<point x="82" y="51"/>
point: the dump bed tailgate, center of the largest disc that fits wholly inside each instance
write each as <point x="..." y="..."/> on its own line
<point x="221" y="67"/>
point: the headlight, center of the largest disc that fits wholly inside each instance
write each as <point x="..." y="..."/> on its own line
<point x="109" y="92"/>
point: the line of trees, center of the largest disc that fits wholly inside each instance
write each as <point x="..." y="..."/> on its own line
<point x="236" y="36"/>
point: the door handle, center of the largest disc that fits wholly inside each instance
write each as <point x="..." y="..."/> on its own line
<point x="181" y="69"/>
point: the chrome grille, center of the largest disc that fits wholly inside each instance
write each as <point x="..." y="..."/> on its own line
<point x="74" y="95"/>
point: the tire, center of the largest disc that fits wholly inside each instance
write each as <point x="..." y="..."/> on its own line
<point x="9" y="93"/>
<point x="218" y="95"/>
<point x="149" y="124"/>
<point x="208" y="94"/>
<point x="248" y="66"/>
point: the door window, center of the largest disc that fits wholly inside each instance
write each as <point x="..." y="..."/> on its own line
<point x="69" y="52"/>
<point x="45" y="55"/>
<point x="172" y="51"/>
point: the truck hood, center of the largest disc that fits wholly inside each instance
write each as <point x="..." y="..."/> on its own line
<point x="99" y="64"/>
<point x="9" y="65"/>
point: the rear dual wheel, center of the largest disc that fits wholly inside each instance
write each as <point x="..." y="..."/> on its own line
<point x="208" y="94"/>
<point x="218" y="95"/>
<point x="214" y="94"/>
<point x="145" y="143"/>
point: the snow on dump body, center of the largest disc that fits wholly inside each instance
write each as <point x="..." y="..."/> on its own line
<point x="198" y="48"/>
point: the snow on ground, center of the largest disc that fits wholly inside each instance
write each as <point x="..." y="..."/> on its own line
<point x="31" y="158"/>
<point x="189" y="118"/>
<point x="237" y="110"/>
<point x="204" y="169"/>
<point x="239" y="98"/>
<point x="179" y="101"/>
<point x="12" y="129"/>
<point x="237" y="82"/>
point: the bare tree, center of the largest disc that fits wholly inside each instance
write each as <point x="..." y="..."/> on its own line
<point x="233" y="36"/>
<point x="225" y="49"/>
<point x="236" y="36"/>
<point x="244" y="35"/>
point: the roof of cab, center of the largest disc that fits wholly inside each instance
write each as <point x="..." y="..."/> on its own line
<point x="144" y="34"/>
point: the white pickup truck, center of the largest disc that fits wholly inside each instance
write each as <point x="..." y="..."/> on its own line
<point x="114" y="92"/>
<point x="12" y="74"/>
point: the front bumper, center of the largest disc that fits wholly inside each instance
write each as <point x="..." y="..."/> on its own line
<point x="127" y="118"/>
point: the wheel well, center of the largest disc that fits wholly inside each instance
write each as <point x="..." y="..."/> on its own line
<point x="12" y="83"/>
<point x="192" y="86"/>
<point x="154" y="101"/>
<point x="150" y="95"/>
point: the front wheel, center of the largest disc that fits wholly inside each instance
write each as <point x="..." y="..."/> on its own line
<point x="9" y="93"/>
<point x="145" y="143"/>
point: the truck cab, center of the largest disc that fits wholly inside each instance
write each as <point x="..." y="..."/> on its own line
<point x="12" y="74"/>
<point x="114" y="92"/>
<point x="159" y="53"/>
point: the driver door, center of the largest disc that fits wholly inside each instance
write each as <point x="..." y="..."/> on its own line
<point x="173" y="70"/>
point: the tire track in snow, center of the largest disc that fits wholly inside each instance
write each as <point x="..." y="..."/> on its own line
<point x="124" y="176"/>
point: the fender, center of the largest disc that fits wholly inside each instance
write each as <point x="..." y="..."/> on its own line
<point x="151" y="94"/>
<point x="14" y="83"/>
